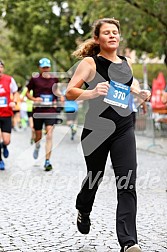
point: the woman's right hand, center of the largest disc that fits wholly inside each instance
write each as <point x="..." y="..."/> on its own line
<point x="101" y="89"/>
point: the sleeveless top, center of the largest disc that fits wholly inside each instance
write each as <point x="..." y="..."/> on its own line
<point x="102" y="115"/>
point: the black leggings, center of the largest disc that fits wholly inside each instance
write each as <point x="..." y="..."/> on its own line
<point x="122" y="149"/>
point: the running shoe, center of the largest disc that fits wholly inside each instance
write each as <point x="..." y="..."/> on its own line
<point x="83" y="222"/>
<point x="2" y="165"/>
<point x="134" y="248"/>
<point x="36" y="151"/>
<point x="5" y="151"/>
<point x="48" y="166"/>
<point x="73" y="131"/>
<point x="31" y="141"/>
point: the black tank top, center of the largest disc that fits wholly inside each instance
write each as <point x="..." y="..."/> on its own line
<point x="98" y="110"/>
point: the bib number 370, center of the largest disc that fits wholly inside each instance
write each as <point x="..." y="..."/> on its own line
<point x="119" y="95"/>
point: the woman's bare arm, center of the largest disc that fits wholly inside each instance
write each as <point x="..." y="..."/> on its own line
<point x="84" y="73"/>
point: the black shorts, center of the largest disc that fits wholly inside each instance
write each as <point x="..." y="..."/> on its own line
<point x="6" y="124"/>
<point x="16" y="111"/>
<point x="30" y="114"/>
<point x="39" y="122"/>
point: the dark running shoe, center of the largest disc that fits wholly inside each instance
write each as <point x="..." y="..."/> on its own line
<point x="5" y="151"/>
<point x="83" y="222"/>
<point x="73" y="131"/>
<point x="31" y="141"/>
<point x="48" y="166"/>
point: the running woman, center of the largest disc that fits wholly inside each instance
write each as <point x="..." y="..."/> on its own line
<point x="108" y="127"/>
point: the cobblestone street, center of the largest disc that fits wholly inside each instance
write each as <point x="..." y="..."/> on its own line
<point x="37" y="209"/>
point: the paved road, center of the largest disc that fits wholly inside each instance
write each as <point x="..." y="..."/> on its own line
<point x="37" y="209"/>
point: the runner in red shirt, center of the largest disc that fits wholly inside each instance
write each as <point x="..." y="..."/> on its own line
<point x="8" y="86"/>
<point x="45" y="94"/>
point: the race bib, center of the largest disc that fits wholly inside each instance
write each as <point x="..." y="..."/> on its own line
<point x="47" y="99"/>
<point x="3" y="102"/>
<point x="118" y="94"/>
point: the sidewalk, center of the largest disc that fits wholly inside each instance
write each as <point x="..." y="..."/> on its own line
<point x="156" y="145"/>
<point x="37" y="209"/>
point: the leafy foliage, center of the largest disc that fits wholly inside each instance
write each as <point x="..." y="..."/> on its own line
<point x="49" y="28"/>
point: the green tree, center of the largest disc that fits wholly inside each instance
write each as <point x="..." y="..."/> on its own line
<point x="148" y="30"/>
<point x="49" y="28"/>
<point x="9" y="56"/>
<point x="143" y="23"/>
<point x="37" y="28"/>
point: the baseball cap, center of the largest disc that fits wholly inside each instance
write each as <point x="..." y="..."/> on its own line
<point x="44" y="62"/>
<point x="1" y="63"/>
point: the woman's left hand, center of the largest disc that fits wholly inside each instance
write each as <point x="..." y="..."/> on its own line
<point x="145" y="95"/>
